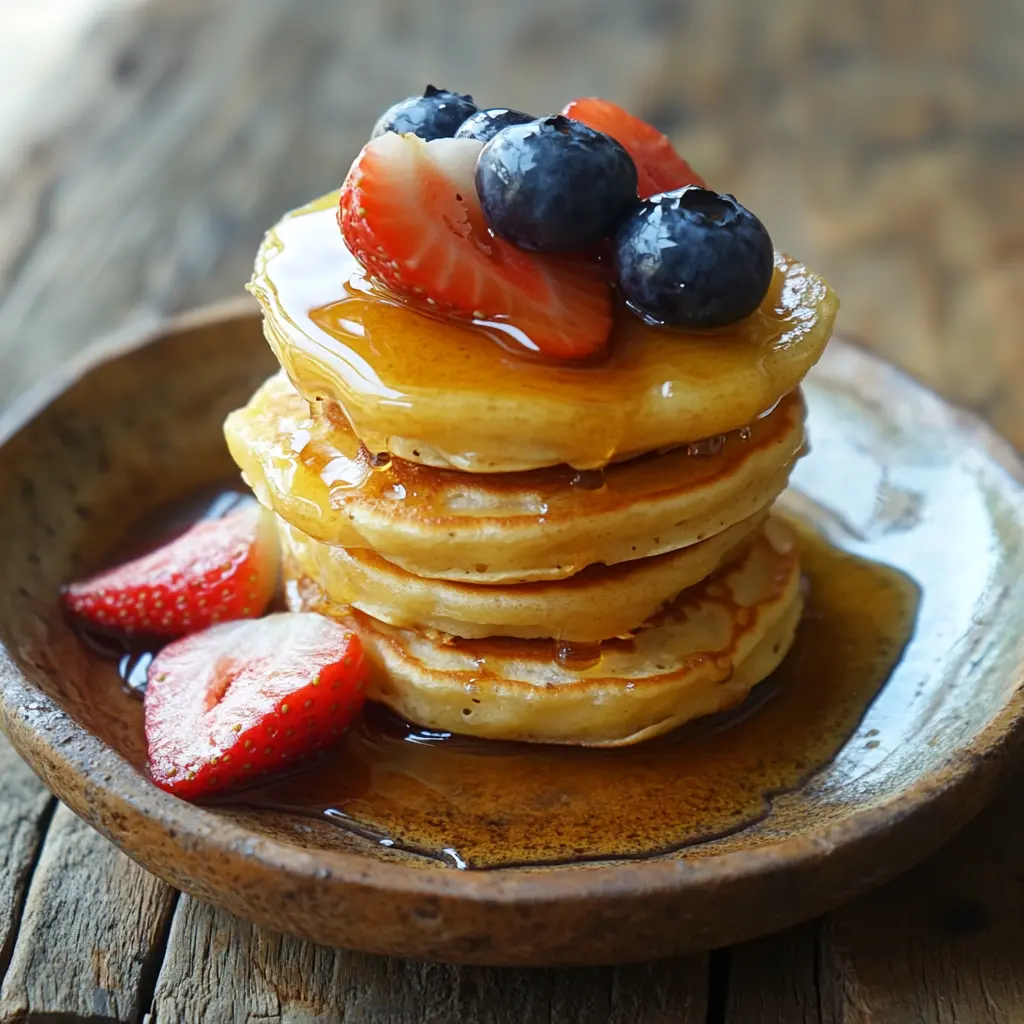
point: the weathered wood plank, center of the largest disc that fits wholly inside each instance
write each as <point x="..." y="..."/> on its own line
<point x="92" y="933"/>
<point x="25" y="809"/>
<point x="774" y="980"/>
<point x="944" y="943"/>
<point x="218" y="970"/>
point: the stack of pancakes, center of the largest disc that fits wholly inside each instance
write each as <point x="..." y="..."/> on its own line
<point x="563" y="554"/>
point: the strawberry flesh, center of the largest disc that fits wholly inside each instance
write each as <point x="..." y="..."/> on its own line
<point x="410" y="214"/>
<point x="218" y="570"/>
<point x="659" y="167"/>
<point x="243" y="699"/>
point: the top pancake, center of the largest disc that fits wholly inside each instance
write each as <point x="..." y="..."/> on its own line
<point x="467" y="397"/>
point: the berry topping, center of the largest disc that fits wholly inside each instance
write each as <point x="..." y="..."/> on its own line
<point x="555" y="185"/>
<point x="693" y="258"/>
<point x="485" y="124"/>
<point x="409" y="213"/>
<point x="220" y="569"/>
<point x="436" y="114"/>
<point x="244" y="698"/>
<point x="659" y="167"/>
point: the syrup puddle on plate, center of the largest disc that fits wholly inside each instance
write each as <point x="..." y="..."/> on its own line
<point x="485" y="804"/>
<point x="476" y="804"/>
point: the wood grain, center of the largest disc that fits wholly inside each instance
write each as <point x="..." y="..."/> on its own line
<point x="219" y="969"/>
<point x="775" y="980"/>
<point x="91" y="935"/>
<point x="25" y="809"/>
<point x="945" y="943"/>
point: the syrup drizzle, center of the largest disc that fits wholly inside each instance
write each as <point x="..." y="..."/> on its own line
<point x="410" y="379"/>
<point x="336" y="470"/>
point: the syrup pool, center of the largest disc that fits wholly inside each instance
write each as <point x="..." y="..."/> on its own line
<point x="476" y="804"/>
<point x="483" y="804"/>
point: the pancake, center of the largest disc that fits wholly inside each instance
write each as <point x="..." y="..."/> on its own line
<point x="495" y="529"/>
<point x="469" y="397"/>
<point x="701" y="654"/>
<point x="598" y="603"/>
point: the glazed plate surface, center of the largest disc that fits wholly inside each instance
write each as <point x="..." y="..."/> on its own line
<point x="895" y="475"/>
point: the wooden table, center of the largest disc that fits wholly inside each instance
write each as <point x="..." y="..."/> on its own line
<point x="883" y="142"/>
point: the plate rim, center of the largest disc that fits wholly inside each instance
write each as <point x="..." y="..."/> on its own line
<point x="66" y="750"/>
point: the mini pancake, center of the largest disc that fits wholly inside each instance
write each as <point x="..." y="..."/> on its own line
<point x="701" y="654"/>
<point x="597" y="603"/>
<point x="490" y="529"/>
<point x="470" y="397"/>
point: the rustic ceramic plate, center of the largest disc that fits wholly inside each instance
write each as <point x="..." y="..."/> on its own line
<point x="894" y="473"/>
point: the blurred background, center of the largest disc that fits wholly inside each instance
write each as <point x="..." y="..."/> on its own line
<point x="148" y="143"/>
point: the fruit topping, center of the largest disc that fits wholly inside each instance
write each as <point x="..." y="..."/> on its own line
<point x="410" y="214"/>
<point x="693" y="258"/>
<point x="436" y="114"/>
<point x="659" y="167"/>
<point x="245" y="698"/>
<point x="555" y="185"/>
<point x="218" y="570"/>
<point x="485" y="124"/>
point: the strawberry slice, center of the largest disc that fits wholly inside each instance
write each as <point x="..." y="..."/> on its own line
<point x="659" y="167"/>
<point x="218" y="570"/>
<point x="409" y="213"/>
<point x="244" y="698"/>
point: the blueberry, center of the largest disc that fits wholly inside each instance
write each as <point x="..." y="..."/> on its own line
<point x="436" y="114"/>
<point x="555" y="185"/>
<point x="485" y="124"/>
<point x="693" y="258"/>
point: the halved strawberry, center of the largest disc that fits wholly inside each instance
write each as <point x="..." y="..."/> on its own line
<point x="220" y="569"/>
<point x="659" y="167"/>
<point x="409" y="213"/>
<point x="244" y="698"/>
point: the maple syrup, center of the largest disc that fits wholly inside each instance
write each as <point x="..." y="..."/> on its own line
<point x="577" y="656"/>
<point x="338" y="469"/>
<point x="410" y="382"/>
<point x="476" y="804"/>
<point x="485" y="804"/>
